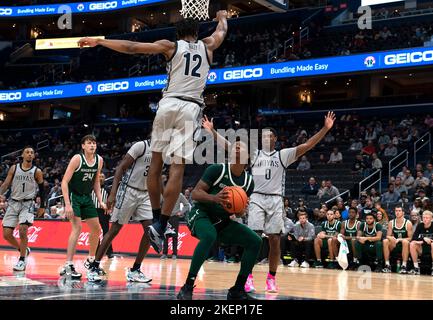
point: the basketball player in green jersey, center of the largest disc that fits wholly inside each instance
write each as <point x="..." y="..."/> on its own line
<point x="349" y="231"/>
<point x="369" y="240"/>
<point x="208" y="221"/>
<point x="398" y="238"/>
<point x="81" y="177"/>
<point x="327" y="239"/>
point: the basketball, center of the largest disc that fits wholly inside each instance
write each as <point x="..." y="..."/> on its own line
<point x="237" y="200"/>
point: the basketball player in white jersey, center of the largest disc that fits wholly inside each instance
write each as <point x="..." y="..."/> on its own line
<point x="24" y="179"/>
<point x="266" y="209"/>
<point x="180" y="110"/>
<point x="129" y="198"/>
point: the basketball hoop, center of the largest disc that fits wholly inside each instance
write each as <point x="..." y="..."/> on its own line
<point x="196" y="9"/>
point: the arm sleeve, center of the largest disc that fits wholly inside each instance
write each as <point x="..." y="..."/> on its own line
<point x="251" y="188"/>
<point x="137" y="150"/>
<point x="211" y="174"/>
<point x="288" y="156"/>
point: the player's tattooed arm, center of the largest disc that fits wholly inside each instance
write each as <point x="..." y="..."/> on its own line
<point x="305" y="147"/>
<point x="124" y="165"/>
<point x="209" y="127"/>
<point x="5" y="186"/>
<point x="97" y="185"/>
<point x="216" y="39"/>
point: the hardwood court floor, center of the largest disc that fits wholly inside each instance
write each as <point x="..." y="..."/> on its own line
<point x="41" y="281"/>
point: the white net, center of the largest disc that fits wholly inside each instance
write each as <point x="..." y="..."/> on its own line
<point x="196" y="9"/>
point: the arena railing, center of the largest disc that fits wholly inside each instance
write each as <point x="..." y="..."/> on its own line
<point x="379" y="180"/>
<point x="405" y="160"/>
<point x="424" y="140"/>
<point x="39" y="146"/>
<point x="338" y="196"/>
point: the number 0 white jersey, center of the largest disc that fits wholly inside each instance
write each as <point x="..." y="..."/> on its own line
<point x="24" y="186"/>
<point x="269" y="171"/>
<point x="187" y="71"/>
<point x="136" y="176"/>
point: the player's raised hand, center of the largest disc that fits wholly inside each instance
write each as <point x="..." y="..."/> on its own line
<point x="221" y="14"/>
<point x="206" y="124"/>
<point x="91" y="42"/>
<point x="329" y="120"/>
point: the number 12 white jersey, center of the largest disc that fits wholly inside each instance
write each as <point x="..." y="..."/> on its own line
<point x="187" y="71"/>
<point x="269" y="170"/>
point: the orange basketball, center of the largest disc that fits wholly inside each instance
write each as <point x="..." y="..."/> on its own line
<point x="237" y="200"/>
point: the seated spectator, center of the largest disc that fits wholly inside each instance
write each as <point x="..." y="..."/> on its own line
<point x="376" y="164"/>
<point x="384" y="139"/>
<point x="341" y="208"/>
<point x="414" y="217"/>
<point x="391" y="196"/>
<point x="381" y="151"/>
<point x="370" y="135"/>
<point x="382" y="219"/>
<point x="402" y="174"/>
<point x="322" y="159"/>
<point x="369" y="149"/>
<point x="356" y="145"/>
<point x="302" y="207"/>
<point x="304" y="164"/>
<point x="399" y="186"/>
<point x="374" y="195"/>
<point x="391" y="150"/>
<point x="335" y="157"/>
<point x="368" y="208"/>
<point x="321" y="189"/>
<point x="311" y="188"/>
<point x="56" y="212"/>
<point x="302" y="242"/>
<point x="329" y="138"/>
<point x="329" y="191"/>
<point x="288" y="210"/>
<point x="416" y="206"/>
<point x="420" y="180"/>
<point x="360" y="164"/>
<point x="369" y="242"/>
<point x="408" y="180"/>
<point x="327" y="239"/>
<point x="429" y="171"/>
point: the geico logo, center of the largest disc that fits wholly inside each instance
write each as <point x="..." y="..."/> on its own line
<point x="412" y="57"/>
<point x="10" y="96"/>
<point x="113" y="86"/>
<point x="5" y="11"/>
<point x="243" y="74"/>
<point x="103" y="5"/>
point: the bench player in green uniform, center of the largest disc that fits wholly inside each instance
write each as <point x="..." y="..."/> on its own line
<point x="349" y="231"/>
<point x="370" y="240"/>
<point x="327" y="238"/>
<point x="81" y="177"/>
<point x="208" y="221"/>
<point x="397" y="239"/>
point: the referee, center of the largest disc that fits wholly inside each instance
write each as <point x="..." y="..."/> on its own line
<point x="104" y="219"/>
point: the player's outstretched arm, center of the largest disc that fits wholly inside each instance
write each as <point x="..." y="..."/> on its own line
<point x="221" y="141"/>
<point x="164" y="47"/>
<point x="8" y="180"/>
<point x="216" y="39"/>
<point x="72" y="166"/>
<point x="303" y="148"/>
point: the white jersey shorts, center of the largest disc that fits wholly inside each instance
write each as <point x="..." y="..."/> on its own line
<point x="176" y="127"/>
<point x="265" y="213"/>
<point x="131" y="203"/>
<point x="21" y="212"/>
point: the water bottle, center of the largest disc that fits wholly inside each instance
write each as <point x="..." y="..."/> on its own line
<point x="398" y="266"/>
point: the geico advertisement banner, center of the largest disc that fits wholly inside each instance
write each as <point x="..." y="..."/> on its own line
<point x="74" y="7"/>
<point x="54" y="235"/>
<point x="292" y="69"/>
